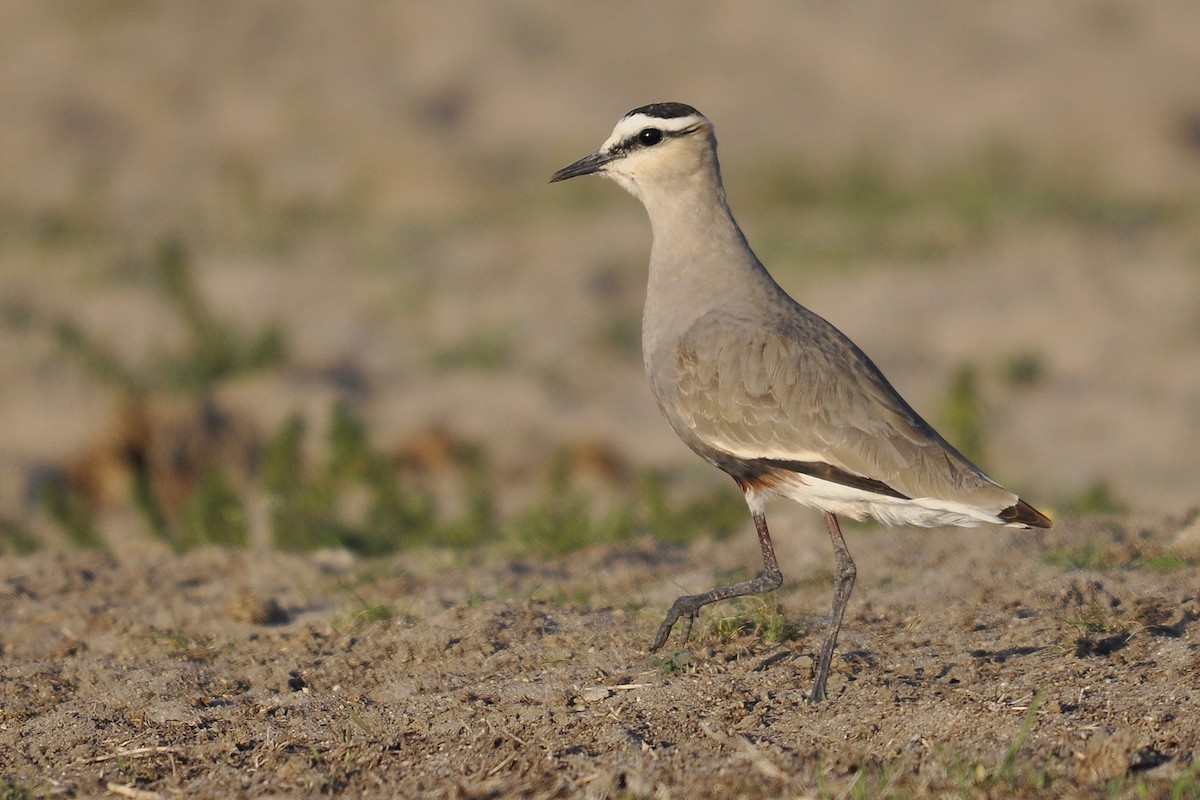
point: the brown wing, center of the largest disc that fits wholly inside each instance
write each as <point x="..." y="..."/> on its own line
<point x="797" y="389"/>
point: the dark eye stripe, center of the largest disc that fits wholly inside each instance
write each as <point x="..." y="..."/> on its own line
<point x="637" y="141"/>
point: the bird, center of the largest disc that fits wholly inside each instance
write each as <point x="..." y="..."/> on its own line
<point x="765" y="389"/>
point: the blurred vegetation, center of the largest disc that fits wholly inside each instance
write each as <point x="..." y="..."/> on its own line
<point x="1110" y="557"/>
<point x="13" y="791"/>
<point x="15" y="539"/>
<point x="1025" y="369"/>
<point x="311" y="508"/>
<point x="1095" y="498"/>
<point x="962" y="414"/>
<point x="73" y="513"/>
<point x="485" y="350"/>
<point x="865" y="210"/>
<point x="213" y="351"/>
<point x="1121" y="549"/>
<point x="962" y="417"/>
<point x="193" y="476"/>
<point x="214" y="513"/>
<point x="194" y="483"/>
<point x="178" y="474"/>
<point x="353" y="495"/>
<point x="565" y="518"/>
<point x="346" y="491"/>
<point x="622" y="335"/>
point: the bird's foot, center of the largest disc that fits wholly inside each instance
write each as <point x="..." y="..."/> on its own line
<point x="686" y="607"/>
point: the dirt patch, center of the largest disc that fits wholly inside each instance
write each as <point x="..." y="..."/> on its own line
<point x="970" y="664"/>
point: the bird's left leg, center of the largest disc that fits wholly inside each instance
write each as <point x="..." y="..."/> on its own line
<point x="688" y="606"/>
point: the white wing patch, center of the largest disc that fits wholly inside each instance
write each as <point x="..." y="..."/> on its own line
<point x="847" y="501"/>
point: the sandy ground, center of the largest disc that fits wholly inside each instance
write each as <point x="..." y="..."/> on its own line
<point x="373" y="180"/>
<point x="217" y="674"/>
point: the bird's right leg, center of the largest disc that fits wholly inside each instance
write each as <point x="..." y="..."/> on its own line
<point x="688" y="606"/>
<point x="843" y="584"/>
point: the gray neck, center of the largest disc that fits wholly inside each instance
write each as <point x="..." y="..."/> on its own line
<point x="699" y="259"/>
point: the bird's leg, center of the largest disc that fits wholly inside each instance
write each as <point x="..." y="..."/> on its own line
<point x="688" y="606"/>
<point x="843" y="584"/>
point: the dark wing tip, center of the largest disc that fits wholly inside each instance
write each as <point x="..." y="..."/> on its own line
<point x="1024" y="514"/>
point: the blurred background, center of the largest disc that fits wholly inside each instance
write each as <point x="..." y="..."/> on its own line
<point x="293" y="270"/>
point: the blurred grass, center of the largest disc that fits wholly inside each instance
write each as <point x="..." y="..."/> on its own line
<point x="357" y="500"/>
<point x="13" y="791"/>
<point x="15" y="539"/>
<point x="214" y="513"/>
<point x="1096" y="498"/>
<point x="1025" y="369"/>
<point x="213" y="351"/>
<point x="565" y="518"/>
<point x="486" y="350"/>
<point x="962" y="415"/>
<point x="1109" y="558"/>
<point x="864" y="210"/>
<point x="312" y="508"/>
<point x="72" y="513"/>
<point x="621" y="335"/>
<point x="352" y="494"/>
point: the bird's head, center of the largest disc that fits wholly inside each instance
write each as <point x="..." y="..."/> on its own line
<point x="652" y="146"/>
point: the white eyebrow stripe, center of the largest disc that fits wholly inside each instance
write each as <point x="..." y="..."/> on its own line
<point x="631" y="126"/>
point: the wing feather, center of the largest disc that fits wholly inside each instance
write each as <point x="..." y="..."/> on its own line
<point x="797" y="389"/>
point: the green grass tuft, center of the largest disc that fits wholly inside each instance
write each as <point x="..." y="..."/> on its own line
<point x="756" y="618"/>
<point x="1006" y="771"/>
<point x="13" y="791"/>
<point x="677" y="662"/>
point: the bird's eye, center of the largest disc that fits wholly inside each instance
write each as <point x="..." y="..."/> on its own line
<point x="650" y="137"/>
